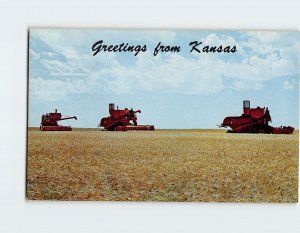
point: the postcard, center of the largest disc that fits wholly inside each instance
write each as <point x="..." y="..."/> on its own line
<point x="163" y="115"/>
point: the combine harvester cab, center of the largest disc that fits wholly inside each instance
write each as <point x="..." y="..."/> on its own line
<point x="49" y="122"/>
<point x="122" y="120"/>
<point x="254" y="120"/>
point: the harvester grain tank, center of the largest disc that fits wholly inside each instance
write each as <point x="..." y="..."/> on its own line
<point x="254" y="120"/>
<point x="122" y="120"/>
<point x="49" y="122"/>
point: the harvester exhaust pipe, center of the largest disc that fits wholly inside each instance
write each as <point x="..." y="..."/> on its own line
<point x="246" y="107"/>
<point x="111" y="106"/>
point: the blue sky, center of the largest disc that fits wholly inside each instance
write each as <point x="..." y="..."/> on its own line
<point x="173" y="90"/>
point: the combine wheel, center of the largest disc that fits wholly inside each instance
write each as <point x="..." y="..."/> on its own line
<point x="112" y="128"/>
<point x="260" y="130"/>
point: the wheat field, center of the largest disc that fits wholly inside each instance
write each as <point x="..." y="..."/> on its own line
<point x="164" y="165"/>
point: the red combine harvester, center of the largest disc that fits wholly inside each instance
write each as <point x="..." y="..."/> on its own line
<point x="122" y="120"/>
<point x="254" y="120"/>
<point x="49" y="122"/>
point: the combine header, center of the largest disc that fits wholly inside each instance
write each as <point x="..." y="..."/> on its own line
<point x="49" y="122"/>
<point x="254" y="120"/>
<point x="122" y="120"/>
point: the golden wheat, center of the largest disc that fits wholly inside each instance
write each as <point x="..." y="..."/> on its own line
<point x="164" y="165"/>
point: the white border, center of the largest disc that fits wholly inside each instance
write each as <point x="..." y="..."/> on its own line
<point x="19" y="215"/>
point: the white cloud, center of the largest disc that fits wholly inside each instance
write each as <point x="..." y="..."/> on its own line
<point x="290" y="85"/>
<point x="45" y="89"/>
<point x="267" y="42"/>
<point x="167" y="36"/>
<point x="246" y="85"/>
<point x="214" y="40"/>
<point x="34" y="55"/>
<point x="262" y="57"/>
<point x="41" y="89"/>
<point x="56" y="67"/>
<point x="279" y="50"/>
<point x="172" y="74"/>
